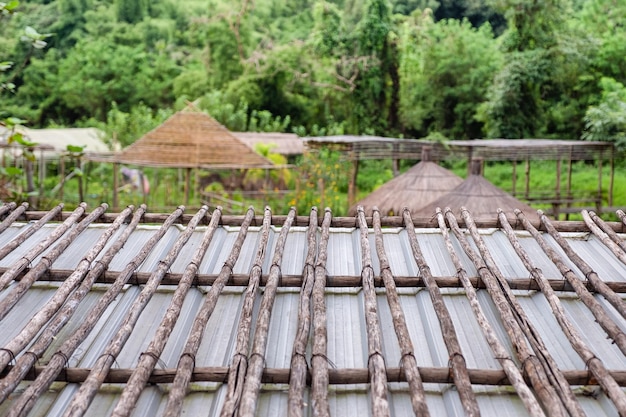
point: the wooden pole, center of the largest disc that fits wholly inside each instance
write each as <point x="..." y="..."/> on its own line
<point x="148" y="358"/>
<point x="557" y="189"/>
<point x="603" y="319"/>
<point x="256" y="360"/>
<point x="595" y="365"/>
<point x="28" y="258"/>
<point x="297" y="380"/>
<point x="527" y="179"/>
<point x="603" y="231"/>
<point x="508" y="365"/>
<point x="115" y="185"/>
<point x="25" y="362"/>
<point x="187" y="185"/>
<point x="457" y="360"/>
<point x="239" y="363"/>
<point x="6" y="207"/>
<point x="599" y="196"/>
<point x="186" y="362"/>
<point x="375" y="361"/>
<point x="58" y="360"/>
<point x="319" y="350"/>
<point x="15" y="214"/>
<point x="612" y="177"/>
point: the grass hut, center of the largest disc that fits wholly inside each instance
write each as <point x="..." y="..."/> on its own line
<point x="481" y="198"/>
<point x="420" y="185"/>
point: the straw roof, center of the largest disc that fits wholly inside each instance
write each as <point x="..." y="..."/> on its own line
<point x="277" y="314"/>
<point x="481" y="198"/>
<point x="191" y="139"/>
<point x="283" y="143"/>
<point x="420" y="185"/>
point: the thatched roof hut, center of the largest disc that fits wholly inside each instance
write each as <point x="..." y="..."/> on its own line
<point x="420" y="185"/>
<point x="287" y="144"/>
<point x="481" y="198"/>
<point x="191" y="139"/>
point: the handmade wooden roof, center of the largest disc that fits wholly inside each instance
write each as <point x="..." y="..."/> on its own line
<point x="420" y="185"/>
<point x="191" y="139"/>
<point x="145" y="314"/>
<point x="282" y="143"/>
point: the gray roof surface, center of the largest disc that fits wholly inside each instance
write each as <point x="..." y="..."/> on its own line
<point x="344" y="298"/>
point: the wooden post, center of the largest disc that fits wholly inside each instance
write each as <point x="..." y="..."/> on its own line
<point x="612" y="178"/>
<point x="514" y="178"/>
<point x="115" y="185"/>
<point x="527" y="178"/>
<point x="569" y="183"/>
<point x="599" y="197"/>
<point x="62" y="174"/>
<point x="187" y="185"/>
<point x="354" y="172"/>
<point x="556" y="204"/>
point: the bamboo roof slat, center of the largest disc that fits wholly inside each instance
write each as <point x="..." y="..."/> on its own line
<point x="606" y="228"/>
<point x="256" y="360"/>
<point x="319" y="350"/>
<point x="408" y="361"/>
<point x="187" y="359"/>
<point x="15" y="214"/>
<point x="9" y="247"/>
<point x="297" y="380"/>
<point x="508" y="365"/>
<point x="607" y="236"/>
<point x="239" y="363"/>
<point x="27" y="400"/>
<point x="375" y="359"/>
<point x="6" y="207"/>
<point x="149" y="357"/>
<point x="595" y="365"/>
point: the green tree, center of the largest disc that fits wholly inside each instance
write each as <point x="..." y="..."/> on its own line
<point x="606" y="121"/>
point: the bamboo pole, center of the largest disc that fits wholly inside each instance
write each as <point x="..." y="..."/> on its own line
<point x="408" y="361"/>
<point x="239" y="363"/>
<point x="599" y="285"/>
<point x="606" y="235"/>
<point x="530" y="363"/>
<point x="343" y="376"/>
<point x="601" y="316"/>
<point x="21" y="238"/>
<point x="58" y="360"/>
<point x="148" y="358"/>
<point x="88" y="390"/>
<point x="26" y="260"/>
<point x="299" y="367"/>
<point x="186" y="363"/>
<point x="18" y="290"/>
<point x="319" y="350"/>
<point x="6" y="207"/>
<point x="256" y="360"/>
<point x="622" y="217"/>
<point x="500" y="353"/>
<point x="375" y="361"/>
<point x="595" y="365"/>
<point x="45" y="313"/>
<point x="13" y="216"/>
<point x="457" y="360"/>
<point x="549" y="364"/>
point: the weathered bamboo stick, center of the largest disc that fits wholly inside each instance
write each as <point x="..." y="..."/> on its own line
<point x="615" y="300"/>
<point x="256" y="360"/>
<point x="13" y="216"/>
<point x="186" y="362"/>
<point x="20" y="265"/>
<point x="239" y="363"/>
<point x="25" y="362"/>
<point x="58" y="360"/>
<point x="341" y="376"/>
<point x="622" y="217"/>
<point x="148" y="358"/>
<point x="6" y="207"/>
<point x="88" y="390"/>
<point x="531" y="365"/>
<point x="19" y="239"/>
<point x="375" y="361"/>
<point x="606" y="235"/>
<point x="38" y="321"/>
<point x="500" y="353"/>
<point x="603" y="319"/>
<point x="319" y="350"/>
<point x="550" y="366"/>
<point x="408" y="360"/>
<point x="299" y="367"/>
<point x="457" y="360"/>
<point x="18" y="290"/>
<point x="595" y="365"/>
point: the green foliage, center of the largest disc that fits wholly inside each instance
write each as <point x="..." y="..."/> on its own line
<point x="606" y="121"/>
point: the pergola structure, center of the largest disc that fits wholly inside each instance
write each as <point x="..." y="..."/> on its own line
<point x="357" y="148"/>
<point x="188" y="139"/>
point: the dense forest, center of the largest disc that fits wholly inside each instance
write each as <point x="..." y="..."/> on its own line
<point x="448" y="69"/>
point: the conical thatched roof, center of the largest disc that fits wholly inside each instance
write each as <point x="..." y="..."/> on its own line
<point x="191" y="139"/>
<point x="482" y="199"/>
<point x="423" y="183"/>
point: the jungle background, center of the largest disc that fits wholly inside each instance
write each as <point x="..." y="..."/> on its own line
<point x="442" y="70"/>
